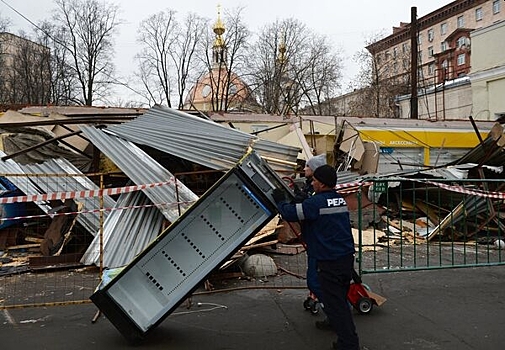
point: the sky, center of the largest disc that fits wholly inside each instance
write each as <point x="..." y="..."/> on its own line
<point x="347" y="24"/>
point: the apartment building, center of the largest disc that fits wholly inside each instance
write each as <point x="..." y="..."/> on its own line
<point x="443" y="39"/>
<point x="24" y="71"/>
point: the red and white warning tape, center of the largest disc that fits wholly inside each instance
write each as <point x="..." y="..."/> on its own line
<point x="452" y="188"/>
<point x="126" y="189"/>
<point x="80" y="194"/>
<point x="474" y="192"/>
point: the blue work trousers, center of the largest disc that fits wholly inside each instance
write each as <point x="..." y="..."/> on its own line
<point x="312" y="279"/>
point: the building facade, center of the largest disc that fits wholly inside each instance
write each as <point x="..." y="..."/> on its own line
<point x="488" y="72"/>
<point x="444" y="52"/>
<point x="443" y="39"/>
<point x="25" y="75"/>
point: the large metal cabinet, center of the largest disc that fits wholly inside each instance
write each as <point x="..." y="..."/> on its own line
<point x="179" y="260"/>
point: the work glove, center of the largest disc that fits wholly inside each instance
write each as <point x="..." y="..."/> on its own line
<point x="296" y="189"/>
<point x="278" y="195"/>
<point x="300" y="197"/>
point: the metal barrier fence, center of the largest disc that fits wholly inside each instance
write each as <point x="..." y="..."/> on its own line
<point x="43" y="235"/>
<point x="419" y="224"/>
<point x="400" y="225"/>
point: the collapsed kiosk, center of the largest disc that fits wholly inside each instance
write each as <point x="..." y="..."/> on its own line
<point x="160" y="278"/>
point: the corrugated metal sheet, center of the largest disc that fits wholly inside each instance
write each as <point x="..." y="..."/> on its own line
<point x="9" y="166"/>
<point x="142" y="169"/>
<point x="197" y="140"/>
<point x="53" y="184"/>
<point x="126" y="232"/>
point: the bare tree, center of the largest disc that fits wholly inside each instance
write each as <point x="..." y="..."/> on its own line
<point x="187" y="49"/>
<point x="64" y="89"/>
<point x="319" y="81"/>
<point x="5" y="23"/>
<point x="31" y="78"/>
<point x="378" y="82"/>
<point x="25" y="77"/>
<point x="168" y="55"/>
<point x="156" y="34"/>
<point x="294" y="68"/>
<point x="88" y="28"/>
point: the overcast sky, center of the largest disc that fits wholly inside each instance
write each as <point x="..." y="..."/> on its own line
<point x="348" y="24"/>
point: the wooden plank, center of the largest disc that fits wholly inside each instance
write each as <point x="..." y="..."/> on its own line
<point x="34" y="239"/>
<point x="71" y="259"/>
<point x="23" y="246"/>
<point x="260" y="245"/>
<point x="376" y="297"/>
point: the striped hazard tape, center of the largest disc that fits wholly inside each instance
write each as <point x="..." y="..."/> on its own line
<point x="81" y="194"/>
<point x="452" y="188"/>
<point x="474" y="192"/>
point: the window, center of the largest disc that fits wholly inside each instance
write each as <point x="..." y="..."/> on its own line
<point x="406" y="64"/>
<point x="478" y="14"/>
<point x="431" y="35"/>
<point x="405" y="48"/>
<point x="206" y="91"/>
<point x="420" y="57"/>
<point x="461" y="41"/>
<point x="443" y="46"/>
<point x="431" y="69"/>
<point x="496" y="7"/>
<point x="419" y="39"/>
<point x="445" y="64"/>
<point x="461" y="21"/>
<point x="430" y="51"/>
<point x="395" y="52"/>
<point x="461" y="59"/>
<point x="443" y="28"/>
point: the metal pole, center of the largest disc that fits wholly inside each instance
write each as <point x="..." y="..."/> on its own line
<point x="413" y="68"/>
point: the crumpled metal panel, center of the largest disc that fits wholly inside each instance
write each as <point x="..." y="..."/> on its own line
<point x="198" y="140"/>
<point x="126" y="232"/>
<point x="171" y="199"/>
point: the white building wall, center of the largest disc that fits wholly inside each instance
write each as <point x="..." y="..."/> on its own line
<point x="450" y="102"/>
<point x="488" y="71"/>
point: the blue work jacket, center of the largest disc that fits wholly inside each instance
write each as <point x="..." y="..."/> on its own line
<point x="325" y="224"/>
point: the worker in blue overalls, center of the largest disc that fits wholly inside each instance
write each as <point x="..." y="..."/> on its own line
<point x="327" y="232"/>
<point x="312" y="283"/>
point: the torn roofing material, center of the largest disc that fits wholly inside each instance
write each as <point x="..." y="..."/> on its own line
<point x="199" y="141"/>
<point x="171" y="199"/>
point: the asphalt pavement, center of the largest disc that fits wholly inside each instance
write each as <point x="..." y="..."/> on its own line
<point x="448" y="309"/>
